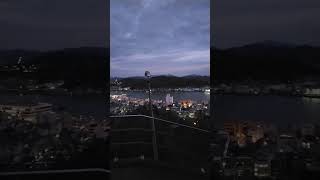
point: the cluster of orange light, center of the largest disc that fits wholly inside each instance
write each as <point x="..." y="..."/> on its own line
<point x="238" y="130"/>
<point x="186" y="103"/>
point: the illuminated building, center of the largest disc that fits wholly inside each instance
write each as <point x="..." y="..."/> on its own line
<point x="191" y="115"/>
<point x="237" y="130"/>
<point x="262" y="169"/>
<point x="242" y="130"/>
<point x="186" y="103"/>
<point x="169" y="100"/>
<point x="312" y="92"/>
<point x="122" y="97"/>
<point x="286" y="143"/>
<point x="28" y="112"/>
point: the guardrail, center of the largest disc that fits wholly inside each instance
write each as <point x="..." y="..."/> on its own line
<point x="178" y="144"/>
<point x="45" y="174"/>
<point x="54" y="171"/>
<point x="162" y="120"/>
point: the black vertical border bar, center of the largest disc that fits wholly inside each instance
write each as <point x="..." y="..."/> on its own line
<point x="107" y="82"/>
<point x="212" y="67"/>
<point x="212" y="83"/>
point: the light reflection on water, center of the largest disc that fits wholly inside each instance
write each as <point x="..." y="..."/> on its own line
<point x="92" y="105"/>
<point x="273" y="109"/>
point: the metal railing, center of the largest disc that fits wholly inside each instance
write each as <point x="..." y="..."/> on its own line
<point x="47" y="173"/>
<point x="162" y="120"/>
<point x="178" y="144"/>
<point x="54" y="172"/>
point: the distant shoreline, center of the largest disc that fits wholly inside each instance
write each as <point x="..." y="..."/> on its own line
<point x="73" y="93"/>
<point x="48" y="93"/>
<point x="269" y="94"/>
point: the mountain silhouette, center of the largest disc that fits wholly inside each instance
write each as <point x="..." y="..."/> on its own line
<point x="85" y="66"/>
<point x="269" y="61"/>
<point x="164" y="81"/>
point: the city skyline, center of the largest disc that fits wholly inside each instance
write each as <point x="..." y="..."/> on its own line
<point x="160" y="36"/>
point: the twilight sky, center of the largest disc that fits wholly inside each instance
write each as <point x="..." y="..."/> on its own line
<point x="53" y="24"/>
<point x="246" y="21"/>
<point x="162" y="36"/>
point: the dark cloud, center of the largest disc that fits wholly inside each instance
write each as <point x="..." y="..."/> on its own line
<point x="241" y="22"/>
<point x="53" y="24"/>
<point x="166" y="37"/>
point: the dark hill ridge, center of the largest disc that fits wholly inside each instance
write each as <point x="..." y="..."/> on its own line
<point x="80" y="67"/>
<point x="10" y="57"/>
<point x="85" y="66"/>
<point x="163" y="81"/>
<point x="266" y="61"/>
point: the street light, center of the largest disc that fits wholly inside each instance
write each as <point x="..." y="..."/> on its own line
<point x="147" y="74"/>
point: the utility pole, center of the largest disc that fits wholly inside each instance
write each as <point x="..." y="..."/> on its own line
<point x="154" y="138"/>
